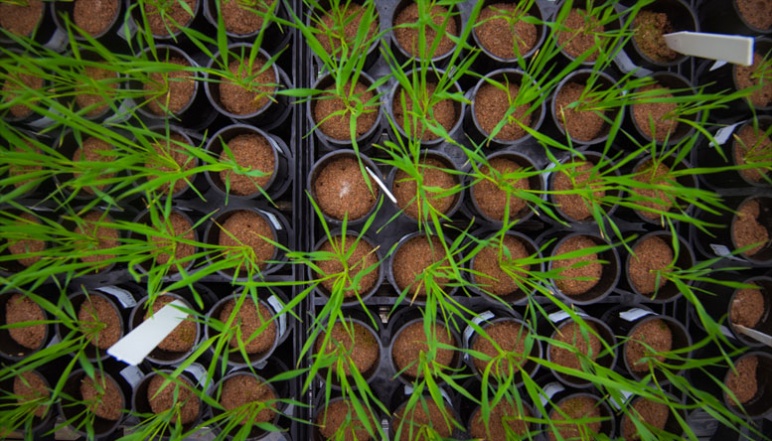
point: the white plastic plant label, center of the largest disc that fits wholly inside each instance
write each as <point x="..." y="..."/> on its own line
<point x="625" y="396"/>
<point x="549" y="391"/>
<point x="723" y="134"/>
<point x="124" y="297"/>
<point x="132" y="374"/>
<point x="58" y="41"/>
<point x="625" y="64"/>
<point x="134" y="347"/>
<point x="717" y="65"/>
<point x="198" y="372"/>
<point x="383" y="186"/>
<point x="483" y="316"/>
<point x="634" y="314"/>
<point x="726" y="331"/>
<point x="559" y="316"/>
<point x="282" y="317"/>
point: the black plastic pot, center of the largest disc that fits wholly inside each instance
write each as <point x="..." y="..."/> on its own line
<point x="25" y="180"/>
<point x="683" y="179"/>
<point x="110" y="36"/>
<point x="281" y="235"/>
<point x="68" y="145"/>
<point x="45" y="32"/>
<point x="160" y="138"/>
<point x="401" y="427"/>
<point x="19" y="90"/>
<point x="78" y="299"/>
<point x="196" y="114"/>
<point x="80" y="416"/>
<point x="447" y="166"/>
<point x="38" y="426"/>
<point x="277" y="107"/>
<point x="279" y="180"/>
<point x="362" y="142"/>
<point x="342" y="187"/>
<point x="145" y="218"/>
<point x="502" y="78"/>
<point x="354" y="317"/>
<point x="10" y="349"/>
<point x="609" y="277"/>
<point x="275" y="37"/>
<point x="685" y="259"/>
<point x="324" y="8"/>
<point x="141" y="401"/>
<point x="720" y="18"/>
<point x="555" y="395"/>
<point x="396" y="94"/>
<point x="517" y="401"/>
<point x="19" y="232"/>
<point x="410" y="291"/>
<point x="611" y="24"/>
<point x="672" y="424"/>
<point x="403" y="54"/>
<point x="721" y="239"/>
<point x="142" y="36"/>
<point x="517" y="297"/>
<point x="681" y="17"/>
<point x="678" y="86"/>
<point x="553" y="326"/>
<point x="116" y="109"/>
<point x="497" y="316"/>
<point x="624" y="320"/>
<point x="588" y="79"/>
<point x="761" y="404"/>
<point x="487" y="60"/>
<point x="320" y="420"/>
<point x="734" y="150"/>
<point x="535" y="182"/>
<point x="606" y="169"/>
<point x="353" y="270"/>
<point x="274" y="302"/>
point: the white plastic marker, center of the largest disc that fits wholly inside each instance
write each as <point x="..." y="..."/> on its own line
<point x="381" y="184"/>
<point x="134" y="347"/>
<point x="756" y="335"/>
<point x="731" y="48"/>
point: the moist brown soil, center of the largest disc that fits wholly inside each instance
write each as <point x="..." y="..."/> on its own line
<point x="105" y="396"/>
<point x="29" y="386"/>
<point x="15" y="85"/>
<point x="581" y="176"/>
<point x="88" y="95"/>
<point x="433" y="175"/>
<point x="342" y="190"/>
<point x="582" y="125"/>
<point x="362" y="257"/>
<point x="169" y="92"/>
<point x="253" y="152"/>
<point x="579" y="34"/>
<point x="747" y="307"/>
<point x="15" y="170"/>
<point x="757" y="13"/>
<point x="655" y="334"/>
<point x="412" y="341"/>
<point x="443" y="112"/>
<point x="502" y="414"/>
<point x="748" y="230"/>
<point x="489" y="262"/>
<point x="176" y="225"/>
<point x="174" y="16"/>
<point x="183" y="337"/>
<point x="249" y="229"/>
<point x="249" y="319"/>
<point x="159" y="160"/>
<point x="510" y="337"/>
<point x="243" y="20"/>
<point x="649" y="30"/>
<point x="413" y="419"/>
<point x="652" y="413"/>
<point x="93" y="150"/>
<point x="413" y="259"/>
<point x="335" y="28"/>
<point x="575" y="408"/>
<point x="499" y="29"/>
<point x="252" y="94"/>
<point x="172" y="395"/>
<point x="493" y="195"/>
<point x="361" y="348"/>
<point x="571" y="334"/>
<point x="339" y="417"/>
<point x="21" y="20"/>
<point x="649" y="262"/>
<point x="19" y="309"/>
<point x="491" y="105"/>
<point x="660" y="114"/>
<point x="100" y="321"/>
<point x="751" y="76"/>
<point x="407" y="30"/>
<point x="26" y="244"/>
<point x="744" y="383"/>
<point x="332" y="114"/>
<point x="97" y="237"/>
<point x="749" y="147"/>
<point x="243" y="389"/>
<point x="579" y="274"/>
<point x="659" y="175"/>
<point x="95" y="16"/>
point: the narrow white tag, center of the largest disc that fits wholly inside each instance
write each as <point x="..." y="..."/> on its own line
<point x="382" y="185"/>
<point x="281" y="317"/>
<point x="549" y="391"/>
<point x="634" y="314"/>
<point x="720" y="250"/>
<point x="274" y="220"/>
<point x="559" y="316"/>
<point x="58" y="41"/>
<point x="726" y="331"/>
<point x="733" y="48"/>
<point x="723" y="135"/>
<point x="625" y="396"/>
<point x="123" y="296"/>
<point x="718" y="64"/>
<point x="625" y="64"/>
<point x="132" y="375"/>
<point x="477" y="320"/>
<point x="198" y="372"/>
<point x="136" y="345"/>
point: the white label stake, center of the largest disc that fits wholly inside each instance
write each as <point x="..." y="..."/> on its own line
<point x="731" y="48"/>
<point x="134" y="347"/>
<point x="381" y="184"/>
